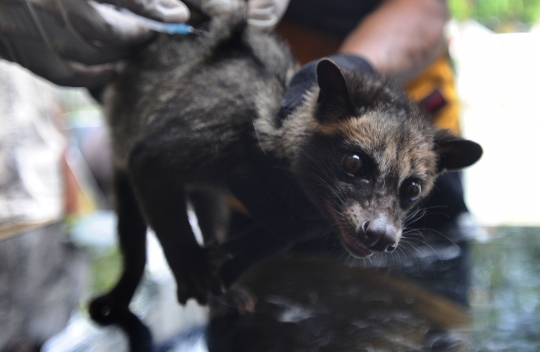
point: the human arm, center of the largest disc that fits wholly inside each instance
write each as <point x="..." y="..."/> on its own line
<point x="401" y="37"/>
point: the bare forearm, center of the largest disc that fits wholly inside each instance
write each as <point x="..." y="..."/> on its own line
<point x="401" y="38"/>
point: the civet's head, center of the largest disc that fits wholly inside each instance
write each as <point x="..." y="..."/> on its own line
<point x="372" y="157"/>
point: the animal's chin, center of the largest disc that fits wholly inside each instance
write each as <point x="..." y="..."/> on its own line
<point x="354" y="246"/>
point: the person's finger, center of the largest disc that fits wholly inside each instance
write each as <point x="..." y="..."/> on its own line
<point x="162" y="10"/>
<point x="266" y="13"/>
<point x="104" y="26"/>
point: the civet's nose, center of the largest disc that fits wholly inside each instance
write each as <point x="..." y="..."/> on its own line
<point x="379" y="235"/>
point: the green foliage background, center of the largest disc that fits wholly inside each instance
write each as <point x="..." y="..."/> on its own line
<point x="495" y="14"/>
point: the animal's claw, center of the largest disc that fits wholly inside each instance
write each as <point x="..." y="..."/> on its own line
<point x="238" y="301"/>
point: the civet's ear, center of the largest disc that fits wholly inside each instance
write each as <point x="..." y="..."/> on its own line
<point x="455" y="152"/>
<point x="334" y="100"/>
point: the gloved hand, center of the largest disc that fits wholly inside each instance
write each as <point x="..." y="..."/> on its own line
<point x="263" y="14"/>
<point x="73" y="42"/>
<point x="267" y="189"/>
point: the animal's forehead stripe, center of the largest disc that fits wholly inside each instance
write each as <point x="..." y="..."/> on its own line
<point x="367" y="134"/>
<point x="360" y="132"/>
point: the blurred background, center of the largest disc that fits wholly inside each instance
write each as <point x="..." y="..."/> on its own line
<point x="495" y="46"/>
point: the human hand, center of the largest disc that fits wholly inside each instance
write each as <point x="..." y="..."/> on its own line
<point x="74" y="42"/>
<point x="263" y="14"/>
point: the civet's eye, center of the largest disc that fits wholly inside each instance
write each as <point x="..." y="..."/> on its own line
<point x="353" y="165"/>
<point x="411" y="190"/>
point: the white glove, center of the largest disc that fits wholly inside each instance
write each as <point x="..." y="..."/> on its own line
<point x="263" y="14"/>
<point x="74" y="42"/>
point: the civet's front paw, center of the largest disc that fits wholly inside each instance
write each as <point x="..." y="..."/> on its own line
<point x="199" y="278"/>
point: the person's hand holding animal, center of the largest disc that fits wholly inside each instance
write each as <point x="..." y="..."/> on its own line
<point x="263" y="14"/>
<point x="74" y="42"/>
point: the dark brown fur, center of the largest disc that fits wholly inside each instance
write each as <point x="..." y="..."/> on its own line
<point x="185" y="111"/>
